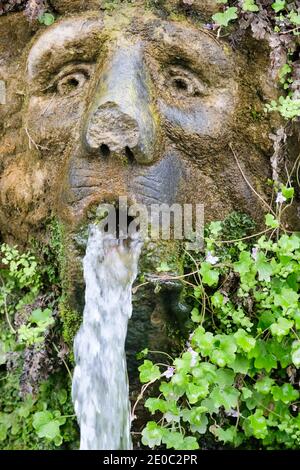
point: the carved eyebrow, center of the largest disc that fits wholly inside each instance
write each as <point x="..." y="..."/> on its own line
<point x="199" y="47"/>
<point x="58" y="41"/>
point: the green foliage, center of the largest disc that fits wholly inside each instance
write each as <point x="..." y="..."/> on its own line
<point x="20" y="280"/>
<point x="224" y="18"/>
<point x="47" y="19"/>
<point x="287" y="106"/>
<point x="279" y="5"/>
<point x="237" y="378"/>
<point x="34" y="332"/>
<point x="280" y="18"/>
<point x="45" y="421"/>
<point x="30" y="292"/>
<point x="249" y="5"/>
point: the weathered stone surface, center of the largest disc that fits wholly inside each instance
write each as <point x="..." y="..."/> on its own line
<point x="108" y="103"/>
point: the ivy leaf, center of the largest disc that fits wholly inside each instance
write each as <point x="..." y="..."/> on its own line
<point x="258" y="424"/>
<point x="271" y="222"/>
<point x="41" y="418"/>
<point x="206" y="371"/>
<point x="264" y="358"/>
<point x="278" y="5"/>
<point x="142" y="354"/>
<point x="148" y="372"/>
<point x="265" y="320"/>
<point x="294" y="18"/>
<point x="190" y="443"/>
<point x="288" y="244"/>
<point x="152" y="434"/>
<point x="286" y="393"/>
<point x="163" y="267"/>
<point x="281" y="327"/>
<point x="203" y="340"/>
<point x="173" y="440"/>
<point x="224" y="378"/>
<point x="170" y="392"/>
<point x="198" y="292"/>
<point x="227" y="397"/>
<point x="210" y="275"/>
<point x="45" y="425"/>
<point x="215" y="228"/>
<point x="224" y="350"/>
<point x="240" y="365"/>
<point x="281" y="352"/>
<point x="196" y="391"/>
<point x="223" y="19"/>
<point x="264" y="268"/>
<point x="40" y="316"/>
<point x="195" y="315"/>
<point x="287" y="298"/>
<point x="246" y="393"/>
<point x="249" y="5"/>
<point x="156" y="404"/>
<point x="287" y="192"/>
<point x="297" y="318"/>
<point x="47" y="19"/>
<point x="243" y="266"/>
<point x="229" y="435"/>
<point x="210" y="405"/>
<point x="244" y="341"/>
<point x="296" y="353"/>
<point x="264" y="385"/>
<point x="196" y="418"/>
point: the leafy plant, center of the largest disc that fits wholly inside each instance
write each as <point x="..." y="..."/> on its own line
<point x="36" y="410"/>
<point x="34" y="332"/>
<point x="20" y="280"/>
<point x="249" y="5"/>
<point x="224" y="18"/>
<point x="237" y="377"/>
<point x="45" y="421"/>
<point x="47" y="19"/>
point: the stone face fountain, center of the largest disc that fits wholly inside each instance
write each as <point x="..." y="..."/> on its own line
<point x="126" y="102"/>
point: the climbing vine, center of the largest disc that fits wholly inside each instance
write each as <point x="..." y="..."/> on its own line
<point x="237" y="378"/>
<point x="36" y="409"/>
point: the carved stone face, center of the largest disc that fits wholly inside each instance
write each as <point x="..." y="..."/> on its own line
<point x="129" y="105"/>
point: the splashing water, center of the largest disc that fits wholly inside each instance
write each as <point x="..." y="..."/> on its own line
<point x="100" y="385"/>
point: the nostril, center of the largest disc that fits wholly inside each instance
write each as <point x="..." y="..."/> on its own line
<point x="104" y="150"/>
<point x="129" y="155"/>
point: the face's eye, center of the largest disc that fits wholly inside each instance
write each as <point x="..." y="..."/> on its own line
<point x="71" y="80"/>
<point x="183" y="83"/>
<point x="71" y="83"/>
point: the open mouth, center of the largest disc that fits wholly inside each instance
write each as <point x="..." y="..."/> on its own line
<point x="115" y="220"/>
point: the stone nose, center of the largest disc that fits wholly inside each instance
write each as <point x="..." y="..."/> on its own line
<point x="112" y="130"/>
<point x="121" y="119"/>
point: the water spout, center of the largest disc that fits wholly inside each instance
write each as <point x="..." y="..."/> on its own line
<point x="100" y="385"/>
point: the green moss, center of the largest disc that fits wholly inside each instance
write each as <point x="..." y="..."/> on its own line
<point x="71" y="321"/>
<point x="57" y="263"/>
<point x="159" y="253"/>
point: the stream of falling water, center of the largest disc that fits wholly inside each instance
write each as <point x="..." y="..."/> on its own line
<point x="100" y="384"/>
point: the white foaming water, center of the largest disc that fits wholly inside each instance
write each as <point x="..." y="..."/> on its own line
<point x="100" y="384"/>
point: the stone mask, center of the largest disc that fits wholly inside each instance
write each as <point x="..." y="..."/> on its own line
<point x="127" y="104"/>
